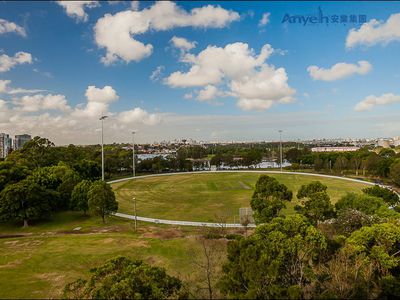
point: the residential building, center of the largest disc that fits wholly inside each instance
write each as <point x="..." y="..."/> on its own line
<point x="20" y="140"/>
<point x="5" y="145"/>
<point x="334" y="149"/>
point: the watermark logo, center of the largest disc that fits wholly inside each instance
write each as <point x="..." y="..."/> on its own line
<point x="320" y="18"/>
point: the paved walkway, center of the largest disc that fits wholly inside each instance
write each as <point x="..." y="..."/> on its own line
<point x="182" y="223"/>
<point x="207" y="224"/>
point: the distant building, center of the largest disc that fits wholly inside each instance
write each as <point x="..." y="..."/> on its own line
<point x="384" y="143"/>
<point x="334" y="149"/>
<point x="20" y="140"/>
<point x="5" y="145"/>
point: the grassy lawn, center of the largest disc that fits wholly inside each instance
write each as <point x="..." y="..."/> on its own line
<point x="49" y="255"/>
<point x="205" y="197"/>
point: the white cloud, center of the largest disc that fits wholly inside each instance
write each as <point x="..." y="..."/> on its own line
<point x="4" y="88"/>
<point x="208" y="93"/>
<point x="42" y="102"/>
<point x="339" y="71"/>
<point x="369" y="102"/>
<point x="116" y="33"/>
<point x="248" y="77"/>
<point x="98" y="101"/>
<point x="135" y="5"/>
<point x="139" y="115"/>
<point x="8" y="62"/>
<point x="76" y="9"/>
<point x="188" y="96"/>
<point x="264" y="20"/>
<point x="375" y="32"/>
<point x="156" y="74"/>
<point x="7" y="26"/>
<point x="182" y="44"/>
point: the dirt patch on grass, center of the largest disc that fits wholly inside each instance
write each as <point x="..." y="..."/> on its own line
<point x="244" y="186"/>
<point x="56" y="281"/>
<point x="163" y="233"/>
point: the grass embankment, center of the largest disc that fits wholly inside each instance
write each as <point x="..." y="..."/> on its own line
<point x="208" y="196"/>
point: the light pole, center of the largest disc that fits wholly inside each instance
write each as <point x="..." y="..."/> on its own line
<point x="280" y="142"/>
<point x="134" y="211"/>
<point x="102" y="118"/>
<point x="133" y="153"/>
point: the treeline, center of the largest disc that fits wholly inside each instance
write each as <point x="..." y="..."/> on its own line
<point x="42" y="179"/>
<point x="385" y="164"/>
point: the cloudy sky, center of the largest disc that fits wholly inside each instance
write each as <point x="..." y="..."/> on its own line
<point x="203" y="70"/>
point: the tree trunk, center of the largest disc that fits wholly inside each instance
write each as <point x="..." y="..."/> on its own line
<point x="102" y="216"/>
<point x="26" y="223"/>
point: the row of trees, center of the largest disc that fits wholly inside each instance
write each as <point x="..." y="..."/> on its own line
<point x="385" y="164"/>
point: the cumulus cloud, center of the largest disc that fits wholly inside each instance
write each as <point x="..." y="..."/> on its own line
<point x="7" y="26"/>
<point x="369" y="102"/>
<point x="375" y="32"/>
<point x="39" y="102"/>
<point x="208" y="93"/>
<point x="264" y="20"/>
<point x="246" y="75"/>
<point x="50" y="115"/>
<point x="76" y="9"/>
<point x="339" y="71"/>
<point x="9" y="62"/>
<point x="156" y="74"/>
<point x="117" y="33"/>
<point x="182" y="44"/>
<point x="139" y="115"/>
<point x="98" y="101"/>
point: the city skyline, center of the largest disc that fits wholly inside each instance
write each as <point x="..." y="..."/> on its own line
<point x="220" y="71"/>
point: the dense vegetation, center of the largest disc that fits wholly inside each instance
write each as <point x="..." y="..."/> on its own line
<point x="351" y="250"/>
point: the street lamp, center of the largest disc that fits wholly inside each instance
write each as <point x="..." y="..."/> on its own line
<point x="133" y="152"/>
<point x="280" y="141"/>
<point x="102" y="118"/>
<point x="134" y="209"/>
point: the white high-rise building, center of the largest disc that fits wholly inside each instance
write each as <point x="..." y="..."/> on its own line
<point x="5" y="145"/>
<point x="20" y="140"/>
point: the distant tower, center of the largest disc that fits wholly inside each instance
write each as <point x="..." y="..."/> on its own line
<point x="5" y="145"/>
<point x="20" y="140"/>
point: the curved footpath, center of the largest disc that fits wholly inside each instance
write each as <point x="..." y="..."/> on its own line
<point x="208" y="224"/>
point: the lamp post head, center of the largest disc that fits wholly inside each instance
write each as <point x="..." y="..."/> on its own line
<point x="103" y="118"/>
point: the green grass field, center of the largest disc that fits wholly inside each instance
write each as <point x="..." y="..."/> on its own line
<point x="46" y="256"/>
<point x="207" y="197"/>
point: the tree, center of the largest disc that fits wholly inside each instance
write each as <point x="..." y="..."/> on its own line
<point x="318" y="207"/>
<point x="11" y="173"/>
<point x="277" y="261"/>
<point x="268" y="197"/>
<point x="390" y="197"/>
<point x="101" y="199"/>
<point x="341" y="164"/>
<point x="25" y="201"/>
<point x="122" y="278"/>
<point x="79" y="196"/>
<point x="395" y="172"/>
<point x="307" y="190"/>
<point x="88" y="169"/>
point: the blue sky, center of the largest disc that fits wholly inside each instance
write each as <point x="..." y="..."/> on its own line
<point x="64" y="49"/>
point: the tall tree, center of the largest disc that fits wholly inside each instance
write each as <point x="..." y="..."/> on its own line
<point x="79" y="197"/>
<point x="102" y="199"/>
<point x="25" y="201"/>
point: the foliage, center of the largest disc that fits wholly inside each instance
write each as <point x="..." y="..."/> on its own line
<point x="318" y="207"/>
<point x="395" y="172"/>
<point x="275" y="262"/>
<point x="369" y="205"/>
<point x="79" y="196"/>
<point x="390" y="197"/>
<point x="122" y="278"/>
<point x="311" y="188"/>
<point x="268" y="197"/>
<point x="101" y="199"/>
<point x="11" y="173"/>
<point x="25" y="201"/>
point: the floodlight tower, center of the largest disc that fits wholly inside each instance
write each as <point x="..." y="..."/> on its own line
<point x="133" y="152"/>
<point x="280" y="142"/>
<point x="102" y="118"/>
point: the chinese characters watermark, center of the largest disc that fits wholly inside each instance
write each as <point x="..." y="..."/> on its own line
<point x="320" y="18"/>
